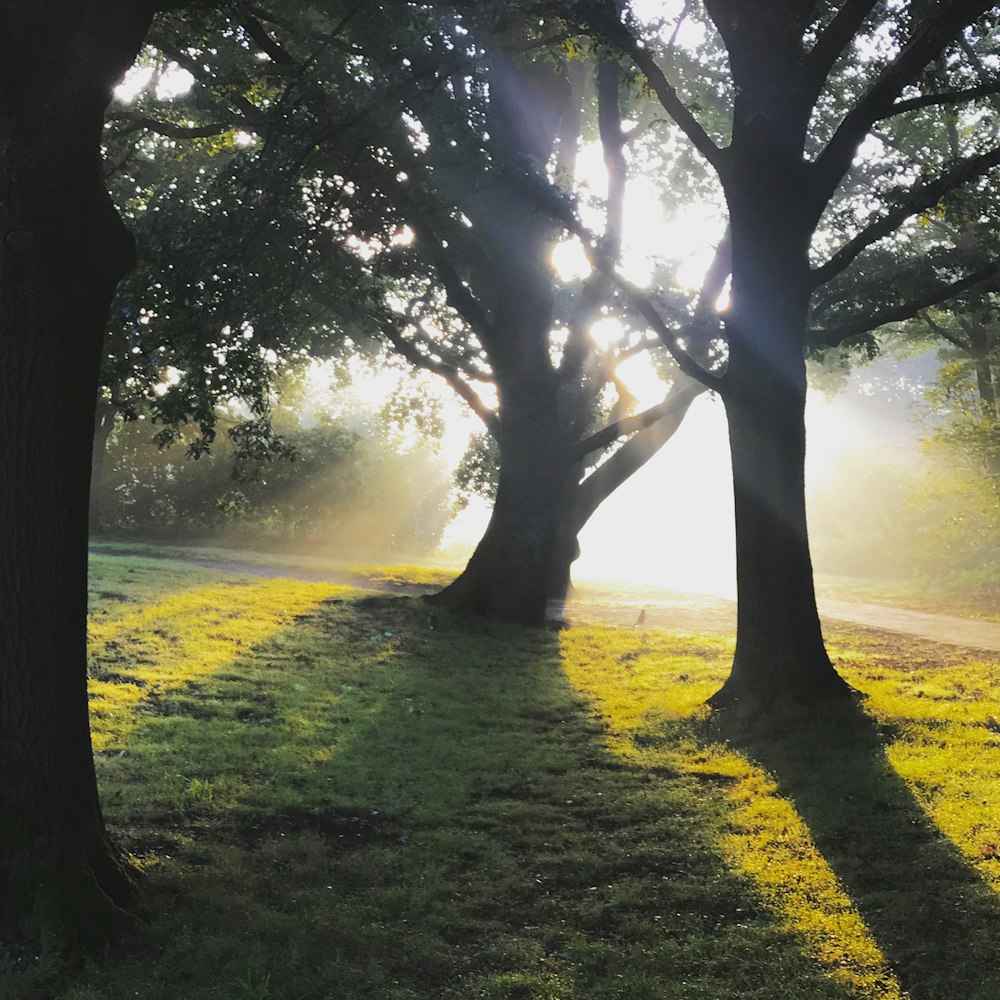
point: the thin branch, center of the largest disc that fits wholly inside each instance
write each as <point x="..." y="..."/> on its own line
<point x="977" y="63"/>
<point x="198" y="71"/>
<point x="618" y="34"/>
<point x="595" y="288"/>
<point x="946" y="334"/>
<point x="629" y="458"/>
<point x="835" y="37"/>
<point x="924" y="47"/>
<point x="449" y="373"/>
<point x="715" y="277"/>
<point x="678" y="24"/>
<point x="934" y="296"/>
<point x="640" y="301"/>
<point x="640" y="347"/>
<point x="271" y="18"/>
<point x="279" y="55"/>
<point x="919" y="199"/>
<point x="460" y="296"/>
<point x="172" y="131"/>
<point x="938" y="100"/>
<point x="680" y="395"/>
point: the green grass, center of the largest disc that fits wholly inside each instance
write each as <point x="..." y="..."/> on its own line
<point x="332" y="800"/>
<point x="381" y="574"/>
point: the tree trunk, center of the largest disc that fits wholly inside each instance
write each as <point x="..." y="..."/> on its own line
<point x="780" y="654"/>
<point x="988" y="396"/>
<point x="62" y="251"/>
<point x="507" y="578"/>
<point x="104" y="424"/>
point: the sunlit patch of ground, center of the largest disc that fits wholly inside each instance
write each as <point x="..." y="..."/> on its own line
<point x="871" y="836"/>
<point x="344" y="798"/>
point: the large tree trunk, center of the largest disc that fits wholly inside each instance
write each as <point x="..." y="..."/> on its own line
<point x="62" y="251"/>
<point x="780" y="654"/>
<point x="507" y="578"/>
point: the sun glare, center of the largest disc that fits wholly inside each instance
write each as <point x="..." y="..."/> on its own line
<point x="570" y="261"/>
<point x="642" y="380"/>
<point x="671" y="524"/>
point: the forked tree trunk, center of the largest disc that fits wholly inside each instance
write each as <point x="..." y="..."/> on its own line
<point x="62" y="251"/>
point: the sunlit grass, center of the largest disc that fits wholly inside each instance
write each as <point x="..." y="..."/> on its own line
<point x="651" y="691"/>
<point x="344" y="799"/>
<point x="930" y="762"/>
<point x="378" y="573"/>
<point x="147" y="640"/>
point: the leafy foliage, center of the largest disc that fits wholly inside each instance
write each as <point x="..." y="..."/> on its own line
<point x="349" y="488"/>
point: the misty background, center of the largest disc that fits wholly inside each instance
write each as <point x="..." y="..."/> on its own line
<point x="373" y="452"/>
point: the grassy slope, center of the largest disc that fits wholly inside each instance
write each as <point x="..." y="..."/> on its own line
<point x="330" y="799"/>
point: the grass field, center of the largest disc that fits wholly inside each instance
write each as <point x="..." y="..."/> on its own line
<point x="329" y="799"/>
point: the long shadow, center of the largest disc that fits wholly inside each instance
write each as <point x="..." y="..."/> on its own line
<point x="457" y="829"/>
<point x="933" y="917"/>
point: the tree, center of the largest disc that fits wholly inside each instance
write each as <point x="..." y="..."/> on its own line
<point x="470" y="296"/>
<point x="798" y="122"/>
<point x="63" y="249"/>
<point x="966" y="390"/>
<point x="354" y="485"/>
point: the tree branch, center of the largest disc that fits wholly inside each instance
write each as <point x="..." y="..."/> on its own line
<point x="258" y="33"/>
<point x="449" y="373"/>
<point x="945" y="334"/>
<point x="641" y="303"/>
<point x="835" y="38"/>
<point x="925" y="46"/>
<point x="185" y="61"/>
<point x="614" y="31"/>
<point x="681" y="393"/>
<point x="631" y="457"/>
<point x="172" y="131"/>
<point x="937" y="100"/>
<point x="919" y="199"/>
<point x="646" y="344"/>
<point x="595" y="288"/>
<point x="977" y="63"/>
<point x="934" y="296"/>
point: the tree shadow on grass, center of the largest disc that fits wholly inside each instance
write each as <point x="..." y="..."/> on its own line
<point x="930" y="913"/>
<point x="421" y="813"/>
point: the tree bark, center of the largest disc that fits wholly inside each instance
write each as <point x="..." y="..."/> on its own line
<point x="780" y="655"/>
<point x="63" y="249"/>
<point x="508" y="576"/>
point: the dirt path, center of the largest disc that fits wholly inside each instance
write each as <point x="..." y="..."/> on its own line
<point x="938" y="628"/>
<point x="705" y="613"/>
<point x="620" y="604"/>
